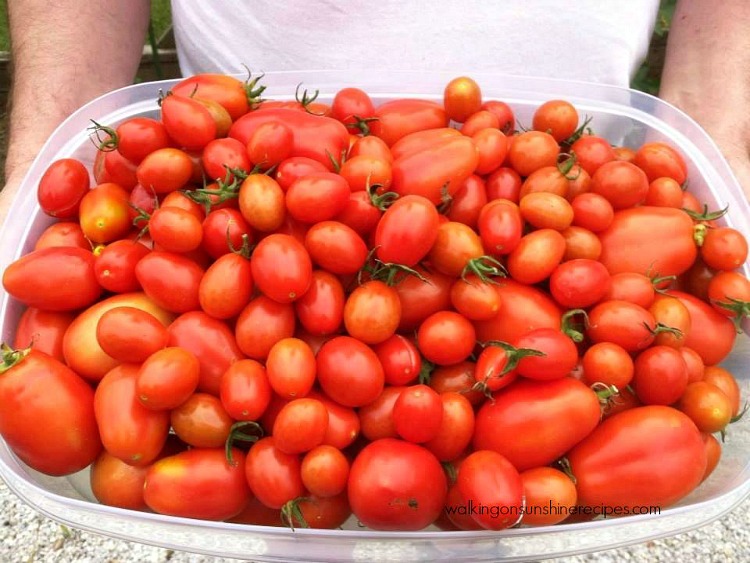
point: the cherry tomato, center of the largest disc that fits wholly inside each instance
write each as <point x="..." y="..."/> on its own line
<point x="475" y="299"/>
<point x="201" y="421"/>
<point x="64" y="233"/>
<point x="165" y="170"/>
<point x="664" y="192"/>
<point x="64" y="183"/>
<point x="325" y="471"/>
<point x="660" y="376"/>
<point x="407" y="231"/>
<point x="167" y="378"/>
<point x="372" y="312"/>
<point x="456" y="427"/>
<point x="559" y="358"/>
<point x="456" y="246"/>
<point x="707" y="406"/>
<point x="271" y="144"/>
<point x="670" y="312"/>
<point x="446" y="337"/>
<point x="281" y="268"/>
<point x="104" y="213"/>
<point x="223" y="227"/>
<point x="336" y="247"/>
<point x="188" y="122"/>
<point x="349" y="371"/>
<point x="171" y="280"/>
<point x="43" y="331"/>
<point x="725" y="381"/>
<point x="398" y="118"/>
<point x="351" y="105"/>
<point x="417" y="414"/>
<point x="137" y="137"/>
<point x="468" y="202"/>
<point x="544" y="488"/>
<point x="115" y="483"/>
<point x="592" y="152"/>
<point x="724" y="248"/>
<point x="317" y="197"/>
<point x="129" y="334"/>
<point x="607" y="363"/>
<point x="274" y="476"/>
<point x="478" y="121"/>
<point x="362" y="172"/>
<point x="622" y="184"/>
<point x="300" y="426"/>
<point x="537" y="256"/>
<point x="659" y="160"/>
<point x="712" y="334"/>
<point x="244" y="390"/>
<point x="461" y="98"/>
<point x="221" y="157"/>
<point x="531" y="151"/>
<point x="500" y="227"/>
<point x="559" y="118"/>
<point x="504" y="183"/>
<point x="546" y="211"/>
<point x="261" y="201"/>
<point x="579" y="283"/>
<point x="276" y="321"/>
<point x="291" y="368"/>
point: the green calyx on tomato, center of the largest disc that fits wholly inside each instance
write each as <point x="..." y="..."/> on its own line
<point x="107" y="143"/>
<point x="572" y="329"/>
<point x="565" y="468"/>
<point x="584" y="129"/>
<point x="660" y="328"/>
<point x="566" y="165"/>
<point x="291" y="513"/>
<point x="485" y="268"/>
<point x="237" y="433"/>
<point x="11" y="357"/>
<point x="739" y="309"/>
<point x="608" y="395"/>
<point x="253" y="90"/>
<point x="389" y="273"/>
<point x="513" y="355"/>
<point x="380" y="201"/>
<point x="707" y="215"/>
<point x="245" y="250"/>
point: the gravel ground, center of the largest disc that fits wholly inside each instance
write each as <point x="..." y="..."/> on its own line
<point x="26" y="536"/>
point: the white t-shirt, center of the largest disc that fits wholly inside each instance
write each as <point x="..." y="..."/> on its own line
<point x="593" y="40"/>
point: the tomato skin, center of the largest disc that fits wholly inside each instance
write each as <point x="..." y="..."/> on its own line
<point x="281" y="268"/>
<point x="660" y="376"/>
<point x="607" y="363"/>
<point x="63" y="233"/>
<point x="531" y="151"/>
<point x="198" y="483"/>
<point x="644" y="456"/>
<point x="187" y="122"/>
<point x="487" y="479"/>
<point x="104" y="213"/>
<point x="398" y="118"/>
<point x="592" y="152"/>
<point x="468" y="202"/>
<point x="544" y="487"/>
<point x="712" y="334"/>
<point x="171" y="280"/>
<point x="579" y="283"/>
<point x="567" y="409"/>
<point x="446" y="338"/>
<point x="456" y="427"/>
<point x="115" y="266"/>
<point x="623" y="184"/>
<point x="62" y="187"/>
<point x="54" y="279"/>
<point x="226" y="287"/>
<point x="165" y="170"/>
<point x="129" y="334"/>
<point x="276" y="319"/>
<point x="40" y="388"/>
<point x="336" y="247"/>
<point x="226" y="90"/>
<point x="115" y="483"/>
<point x="325" y="471"/>
<point x="400" y="360"/>
<point x="558" y="117"/>
<point x="396" y="485"/>
<point x="623" y="323"/>
<point x="560" y="354"/>
<point x="417" y="414"/>
<point x="139" y="136"/>
<point x="421" y="299"/>
<point x="724" y="248"/>
<point x="80" y="347"/>
<point x="500" y="227"/>
<point x="504" y="183"/>
<point x="313" y="136"/>
<point x="376" y="418"/>
<point x="129" y="431"/>
<point x="321" y="309"/>
<point x="708" y="407"/>
<point x="167" y="378"/>
<point x="407" y="231"/>
<point x="350" y="104"/>
<point x="300" y="425"/>
<point x="455" y="246"/>
<point x="211" y="341"/>
<point x="372" y="312"/>
<point x="440" y="168"/>
<point x="713" y="453"/>
<point x="43" y="331"/>
<point x="244" y="390"/>
<point x="475" y="299"/>
<point x="274" y="476"/>
<point x="658" y="160"/>
<point x="524" y="308"/>
<point x="628" y="243"/>
<point x="349" y="371"/>
<point x="632" y="287"/>
<point x="201" y="421"/>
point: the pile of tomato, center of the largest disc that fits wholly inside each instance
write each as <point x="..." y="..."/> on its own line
<point x="292" y="312"/>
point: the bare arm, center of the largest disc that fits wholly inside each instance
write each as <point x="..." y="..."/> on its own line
<point x="65" y="53"/>
<point x="707" y="74"/>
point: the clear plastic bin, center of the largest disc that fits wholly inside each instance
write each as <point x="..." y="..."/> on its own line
<point x="623" y="116"/>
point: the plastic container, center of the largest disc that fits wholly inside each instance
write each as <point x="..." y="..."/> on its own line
<point x="623" y="116"/>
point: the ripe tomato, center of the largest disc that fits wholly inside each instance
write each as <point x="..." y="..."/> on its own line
<point x="167" y="378"/>
<point x="321" y="309"/>
<point x="461" y="98"/>
<point x="475" y="299"/>
<point x="372" y="312"/>
<point x="400" y="360"/>
<point x="546" y="210"/>
<point x="581" y="244"/>
<point x="137" y="137"/>
<point x="545" y="487"/>
<point x="725" y="381"/>
<point x="188" y="122"/>
<point x="478" y="121"/>
<point x="361" y="172"/>
<point x="565" y="408"/>
<point x="622" y="184"/>
<point x="659" y="160"/>
<point x="632" y="287"/>
<point x="271" y="144"/>
<point x="724" y="248"/>
<point x="500" y="227"/>
<point x="707" y="406"/>
<point x="129" y="334"/>
<point x="165" y="170"/>
<point x="712" y="334"/>
<point x="201" y="421"/>
<point x="53" y="279"/>
<point x="115" y="265"/>
<point x="592" y="152"/>
<point x="531" y="151"/>
<point x="398" y="118"/>
<point x="325" y="471"/>
<point x="43" y="331"/>
<point x="421" y="299"/>
<point x="211" y="341"/>
<point x="407" y="231"/>
<point x="660" y="376"/>
<point x="275" y="320"/>
<point x="175" y="229"/>
<point x="592" y="211"/>
<point x="446" y="337"/>
<point x="64" y="233"/>
<point x="504" y="114"/>
<point x="456" y="427"/>
<point x="560" y="355"/>
<point x="336" y="247"/>
<point x="628" y="243"/>
<point x="244" y="390"/>
<point x="41" y="395"/>
<point x="437" y="170"/>
<point x="115" y="483"/>
<point x="222" y="227"/>
<point x="105" y="213"/>
<point x="198" y="483"/>
<point x="419" y="141"/>
<point x="350" y="105"/>
<point x="349" y="372"/>
<point x="579" y="283"/>
<point x="221" y="157"/>
<point x="64" y="183"/>
<point x="487" y="480"/>
<point x="559" y="118"/>
<point x="274" y="476"/>
<point x="504" y="183"/>
<point x="607" y="363"/>
<point x="232" y="94"/>
<point x="300" y="426"/>
<point x="645" y="456"/>
<point x="343" y="422"/>
<point x="536" y="256"/>
<point x="281" y="268"/>
<point x="360" y="214"/>
<point x="670" y="312"/>
<point x="396" y="485"/>
<point x="664" y="192"/>
<point x="623" y="323"/>
<point x="455" y="246"/>
<point x="171" y="280"/>
<point x="291" y="368"/>
<point x="417" y="414"/>
<point x="226" y="287"/>
<point x="317" y="197"/>
<point x="468" y="202"/>
<point x="129" y="431"/>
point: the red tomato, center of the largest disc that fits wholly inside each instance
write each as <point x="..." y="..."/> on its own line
<point x="167" y="378"/>
<point x="660" y="376"/>
<point x="422" y="140"/>
<point x="349" y="372"/>
<point x="398" y="118"/>
<point x="560" y="354"/>
<point x="271" y="144"/>
<point x="211" y="341"/>
<point x="188" y="122"/>
<point x="623" y="184"/>
<point x="475" y="299"/>
<point x="712" y="334"/>
<point x="707" y="406"/>
<point x="659" y="160"/>
<point x="325" y="471"/>
<point x="531" y="151"/>
<point x="454" y="248"/>
<point x="456" y="427"/>
<point x="645" y="456"/>
<point x="725" y="381"/>
<point x="244" y="390"/>
<point x="343" y="422"/>
<point x="137" y="137"/>
<point x="623" y="323"/>
<point x="437" y="170"/>
<point x="557" y="414"/>
<point x="41" y="395"/>
<point x="321" y="309"/>
<point x="607" y="363"/>
<point x="275" y="320"/>
<point x="545" y="210"/>
<point x="579" y="283"/>
<point x="500" y="226"/>
<point x="536" y="256"/>
<point x="487" y="480"/>
<point x="724" y="248"/>
<point x="407" y="231"/>
<point x="198" y="483"/>
<point x="165" y="170"/>
<point x="372" y="312"/>
<point x="592" y="152"/>
<point x="336" y="247"/>
<point x="226" y="287"/>
<point x="557" y="117"/>
<point x="504" y="183"/>
<point x="628" y="243"/>
<point x="53" y="279"/>
<point x="281" y="268"/>
<point x="400" y="360"/>
<point x="115" y="483"/>
<point x="120" y="170"/>
<point x="201" y="421"/>
<point x="62" y="187"/>
<point x="363" y="172"/>
<point x="300" y="426"/>
<point x="64" y="233"/>
<point x="479" y="121"/>
<point x="468" y="202"/>
<point x="461" y="98"/>
<point x="105" y="213"/>
<point x="632" y="287"/>
<point x="420" y="299"/>
<point x="129" y="431"/>
<point x="291" y="368"/>
<point x="396" y="485"/>
<point x="261" y="202"/>
<point x="417" y="414"/>
<point x="504" y="114"/>
<point x="496" y="367"/>
<point x="295" y="167"/>
<point x="317" y="197"/>
<point x="43" y="331"/>
<point x="129" y="334"/>
<point x="446" y="338"/>
<point x="232" y="94"/>
<point x="360" y="214"/>
<point x="222" y="227"/>
<point x="592" y="211"/>
<point x="171" y="280"/>
<point x="664" y="192"/>
<point x="274" y="476"/>
<point x="115" y="265"/>
<point x="221" y="157"/>
<point x="545" y="487"/>
<point x="351" y="105"/>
